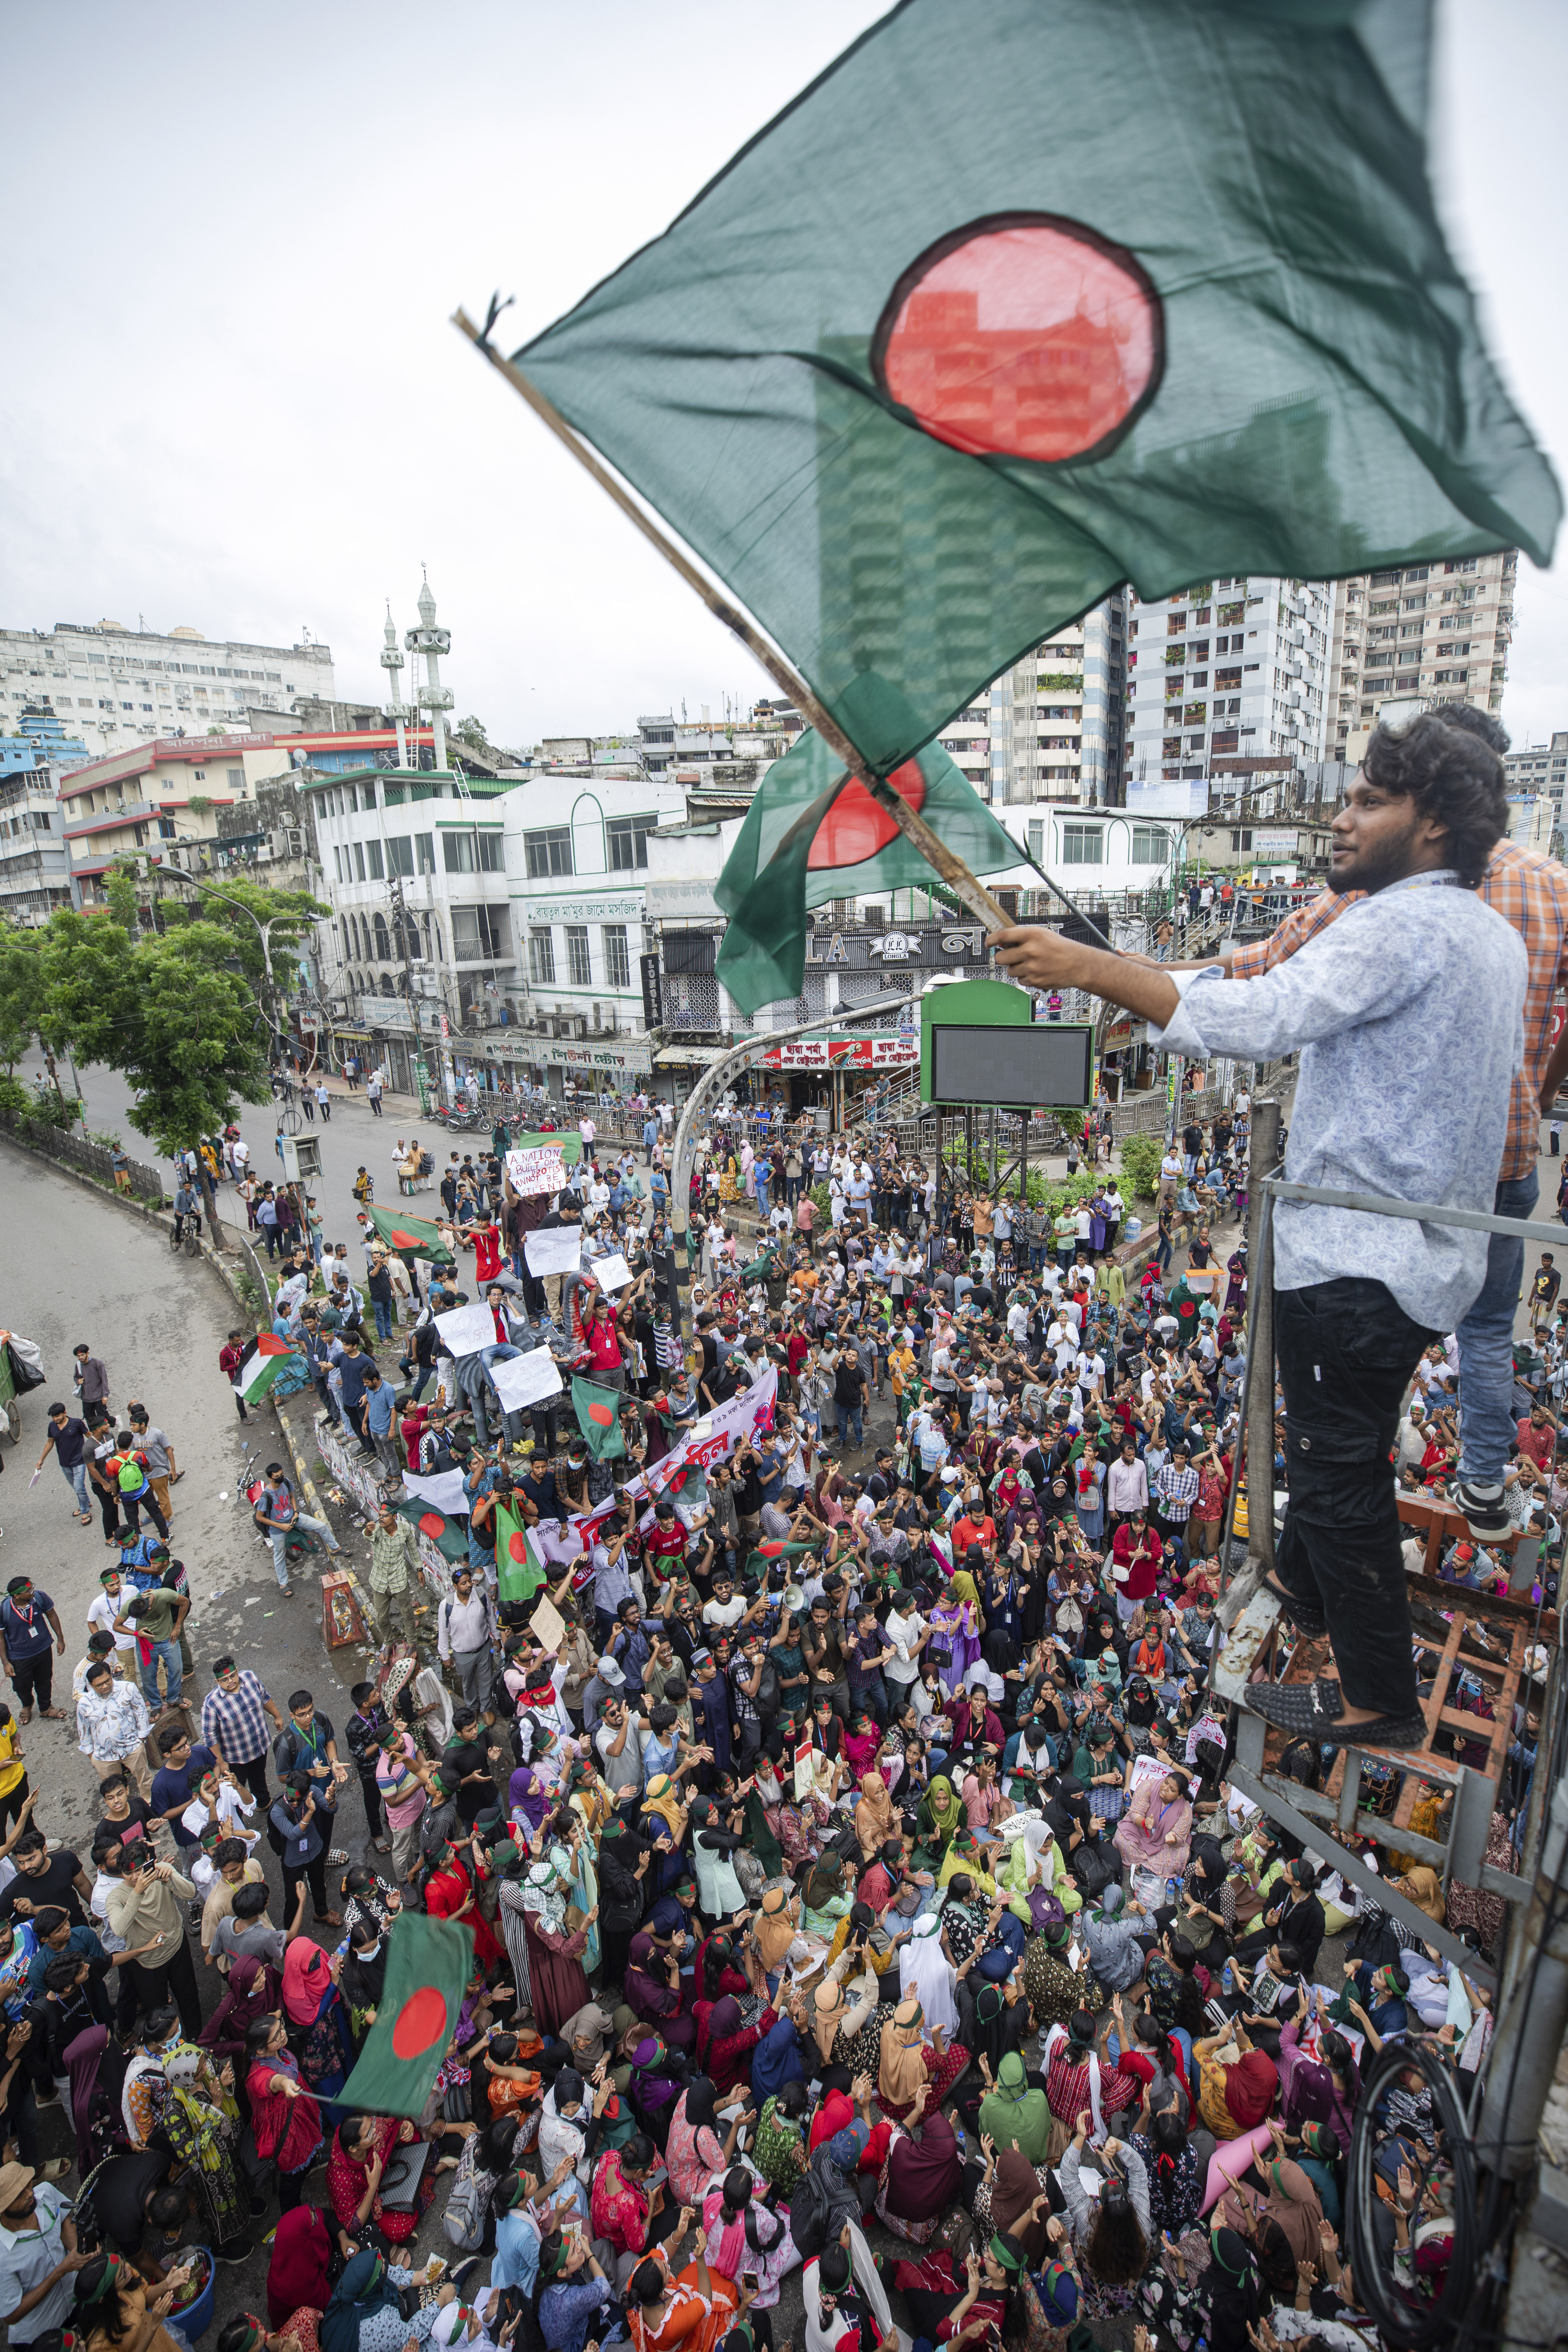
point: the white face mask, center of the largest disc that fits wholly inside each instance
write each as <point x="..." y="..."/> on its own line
<point x="369" y="1950"/>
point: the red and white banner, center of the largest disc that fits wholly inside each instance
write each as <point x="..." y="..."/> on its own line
<point x="842" y="1053"/>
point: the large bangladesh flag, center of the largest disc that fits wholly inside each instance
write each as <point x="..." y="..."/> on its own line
<point x="598" y="1412"/>
<point x="1015" y="303"/>
<point x="518" y="1574"/>
<point x="409" y="1236"/>
<point x="813" y="834"/>
<point x="428" y="1964"/>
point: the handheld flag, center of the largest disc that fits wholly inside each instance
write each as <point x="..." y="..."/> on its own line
<point x="518" y="1574"/>
<point x="813" y="832"/>
<point x="264" y="1360"/>
<point x="409" y="1236"/>
<point x="449" y="1536"/>
<point x="961" y="340"/>
<point x="428" y="1964"/>
<point x="598" y="1412"/>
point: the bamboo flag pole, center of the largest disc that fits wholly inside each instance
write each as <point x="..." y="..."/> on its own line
<point x="932" y="847"/>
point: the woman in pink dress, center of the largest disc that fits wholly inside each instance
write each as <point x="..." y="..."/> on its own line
<point x="1156" y="1832"/>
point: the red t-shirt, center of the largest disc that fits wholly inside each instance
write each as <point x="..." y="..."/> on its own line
<point x="604" y="1348"/>
<point x="1538" y="1443"/>
<point x="487" y="1252"/>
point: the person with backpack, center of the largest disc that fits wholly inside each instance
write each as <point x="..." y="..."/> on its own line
<point x="278" y="1516"/>
<point x="129" y="1470"/>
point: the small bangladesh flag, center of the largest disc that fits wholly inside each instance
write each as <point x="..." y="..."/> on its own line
<point x="763" y="1555"/>
<point x="518" y="1573"/>
<point x="598" y="1412"/>
<point x="815" y="833"/>
<point x="409" y="1236"/>
<point x="428" y="1965"/>
<point x="966" y="337"/>
<point x="262" y="1363"/>
<point x="449" y="1536"/>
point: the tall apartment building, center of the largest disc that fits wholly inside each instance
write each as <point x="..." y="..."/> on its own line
<point x="35" y="865"/>
<point x="1425" y="632"/>
<point x="1050" y="729"/>
<point x="113" y="686"/>
<point x="1227" y="681"/>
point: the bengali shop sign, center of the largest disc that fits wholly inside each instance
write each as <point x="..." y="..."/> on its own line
<point x="843" y="1052"/>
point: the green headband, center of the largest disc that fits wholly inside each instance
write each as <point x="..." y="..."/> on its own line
<point x="373" y="2283"/>
<point x="115" y="2268"/>
<point x="1214" y="2235"/>
<point x="257" y="2334"/>
<point x="1010" y="2258"/>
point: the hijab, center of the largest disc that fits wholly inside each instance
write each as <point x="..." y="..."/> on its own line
<point x="307" y="1980"/>
<point x="774" y="1931"/>
<point x="1421" y="1886"/>
<point x="1012" y="2114"/>
<point x="1013" y="2192"/>
<point x="926" y="1971"/>
<point x="643" y="1990"/>
<point x="946" y="1814"/>
<point x="663" y="1798"/>
<point x="362" y="2293"/>
<point x="723" y="2022"/>
<point x="593" y="2020"/>
<point x="1229" y="2289"/>
<point x="875" y="1820"/>
<point x="776" y="2060"/>
<point x="1249" y="2088"/>
<point x="540" y="1898"/>
<point x="830" y="2182"/>
<point x="1294" y="2203"/>
<point x="93" y="2057"/>
<point x="826" y="2013"/>
<point x="825" y="1882"/>
<point x="924" y="2170"/>
<point x="903" y="2071"/>
<point x="297" y="2273"/>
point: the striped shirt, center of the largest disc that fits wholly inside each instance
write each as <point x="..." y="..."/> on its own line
<point x="1527" y="890"/>
<point x="232" y="1722"/>
<point x="1066" y="2088"/>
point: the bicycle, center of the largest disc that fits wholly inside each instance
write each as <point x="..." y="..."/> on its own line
<point x="191" y="1240"/>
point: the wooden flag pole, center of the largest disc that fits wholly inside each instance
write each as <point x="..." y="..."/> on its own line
<point x="932" y="848"/>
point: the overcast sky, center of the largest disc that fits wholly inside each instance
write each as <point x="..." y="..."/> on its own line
<point x="234" y="399"/>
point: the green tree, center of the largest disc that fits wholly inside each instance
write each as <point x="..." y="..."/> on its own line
<point x="21" y="992"/>
<point x="472" y="731"/>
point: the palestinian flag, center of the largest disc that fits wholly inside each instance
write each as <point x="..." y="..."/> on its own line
<point x="449" y="1536"/>
<point x="260" y="1366"/>
<point x="518" y="1573"/>
<point x="963" y="339"/>
<point x="411" y="1237"/>
<point x="598" y="1412"/>
<point x="813" y="832"/>
<point x="428" y="1965"/>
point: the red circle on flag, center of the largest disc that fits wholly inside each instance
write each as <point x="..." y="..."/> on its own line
<point x="432" y="1524"/>
<point x="1023" y="335"/>
<point x="420" y="2022"/>
<point x="856" y="827"/>
<point x="601" y="1416"/>
<point x="400" y="1240"/>
<point x="516" y="1545"/>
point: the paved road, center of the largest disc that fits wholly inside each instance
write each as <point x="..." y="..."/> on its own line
<point x="78" y="1267"/>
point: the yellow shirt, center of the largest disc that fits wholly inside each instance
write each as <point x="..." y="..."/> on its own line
<point x="10" y="1772"/>
<point x="902" y="1368"/>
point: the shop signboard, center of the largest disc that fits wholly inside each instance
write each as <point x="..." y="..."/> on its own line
<point x="846" y="1053"/>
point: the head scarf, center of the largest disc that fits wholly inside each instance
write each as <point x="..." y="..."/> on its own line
<point x="1014" y="2114"/>
<point x="875" y="1820"/>
<point x="362" y="2293"/>
<point x="776" y="2061"/>
<point x="700" y="2096"/>
<point x="773" y="1932"/>
<point x="307" y="1980"/>
<point x="1421" y="1886"/>
<point x="902" y="2069"/>
<point x="1249" y="2088"/>
<point x="830" y="2182"/>
<point x="824" y="1881"/>
<point x="297" y="2273"/>
<point x="645" y="1993"/>
<point x="1229" y="2289"/>
<point x="594" y="2022"/>
<point x="663" y="1798"/>
<point x="1294" y="2203"/>
<point x="90" y="2060"/>
<point x="1013" y="2192"/>
<point x="826" y="2009"/>
<point x="541" y="1896"/>
<point x="943" y="1809"/>
<point x="924" y="2171"/>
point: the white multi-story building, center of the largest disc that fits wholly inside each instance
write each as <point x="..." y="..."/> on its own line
<point x="114" y="685"/>
<point x="1541" y="768"/>
<point x="1425" y="632"/>
<point x="1228" y="680"/>
<point x="1050" y="729"/>
<point x="35" y="865"/>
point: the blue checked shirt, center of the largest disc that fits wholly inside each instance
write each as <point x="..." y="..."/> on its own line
<point x="234" y="1719"/>
<point x="1178" y="1491"/>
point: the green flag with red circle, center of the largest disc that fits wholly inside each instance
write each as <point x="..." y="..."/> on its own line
<point x="449" y="1536"/>
<point x="428" y="1965"/>
<point x="518" y="1573"/>
<point x="598" y="1412"/>
<point x="411" y="1237"/>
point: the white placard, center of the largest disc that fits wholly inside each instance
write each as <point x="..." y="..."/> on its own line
<point x="535" y="1171"/>
<point x="610" y="1272"/>
<point x="467" y="1330"/>
<point x="444" y="1491"/>
<point x="555" y="1249"/>
<point x="522" y="1381"/>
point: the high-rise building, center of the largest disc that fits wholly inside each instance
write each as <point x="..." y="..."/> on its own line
<point x="112" y="686"/>
<point x="1050" y="729"/>
<point x="1227" y="681"/>
<point x="1425" y="632"/>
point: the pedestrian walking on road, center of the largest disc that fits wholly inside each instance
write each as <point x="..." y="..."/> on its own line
<point x="28" y="1619"/>
<point x="372" y="1093"/>
<point x="307" y="1103"/>
<point x="91" y="1378"/>
<point x="393" y="1556"/>
<point x="158" y="1449"/>
<point x="67" y="1437"/>
<point x="324" y="1102"/>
